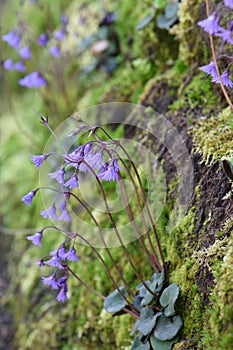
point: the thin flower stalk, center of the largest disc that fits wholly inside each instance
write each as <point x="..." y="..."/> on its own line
<point x="215" y="61"/>
<point x="75" y="234"/>
<point x="145" y="201"/>
<point x="100" y="295"/>
<point x="157" y="264"/>
<point x="116" y="230"/>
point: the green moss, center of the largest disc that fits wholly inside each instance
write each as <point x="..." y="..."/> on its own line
<point x="218" y="330"/>
<point x="188" y="33"/>
<point x="213" y="137"/>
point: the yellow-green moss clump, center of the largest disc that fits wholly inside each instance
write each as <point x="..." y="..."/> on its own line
<point x="213" y="137"/>
<point x="187" y="32"/>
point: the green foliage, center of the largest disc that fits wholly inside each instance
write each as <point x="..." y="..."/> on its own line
<point x="115" y="302"/>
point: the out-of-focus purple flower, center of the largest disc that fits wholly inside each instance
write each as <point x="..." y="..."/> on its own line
<point x="27" y="199"/>
<point x="58" y="176"/>
<point x="211" y="24"/>
<point x="33" y="80"/>
<point x="64" y="216"/>
<point x="12" y="39"/>
<point x="71" y="255"/>
<point x="36" y="238"/>
<point x="72" y="182"/>
<point x="25" y="52"/>
<point x="62" y="294"/>
<point x="50" y="213"/>
<point x="38" y="160"/>
<point x="64" y="20"/>
<point x="108" y="19"/>
<point x="110" y="172"/>
<point x="228" y="3"/>
<point x="42" y="40"/>
<point x="8" y="64"/>
<point x="209" y="69"/>
<point x="55" y="51"/>
<point x="50" y="281"/>
<point x="54" y="261"/>
<point x="225" y="79"/>
<point x="20" y="67"/>
<point x="60" y="34"/>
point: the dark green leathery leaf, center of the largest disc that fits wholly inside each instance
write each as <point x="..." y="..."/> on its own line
<point x="168" y="299"/>
<point x="115" y="302"/>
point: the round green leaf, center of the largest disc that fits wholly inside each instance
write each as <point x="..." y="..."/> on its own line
<point x="164" y="23"/>
<point x="167" y="328"/>
<point x="162" y="345"/>
<point x="138" y="345"/>
<point x="146" y="326"/>
<point x="168" y="299"/>
<point x="115" y="302"/>
<point x="171" y="10"/>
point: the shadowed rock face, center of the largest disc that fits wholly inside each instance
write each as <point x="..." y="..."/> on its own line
<point x="6" y="317"/>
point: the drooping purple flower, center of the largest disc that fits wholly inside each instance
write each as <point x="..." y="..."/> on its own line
<point x="61" y="252"/>
<point x="74" y="158"/>
<point x="94" y="160"/>
<point x="58" y="176"/>
<point x="8" y="64"/>
<point x="72" y="182"/>
<point x="225" y="80"/>
<point x="20" y="67"/>
<point x="38" y="159"/>
<point x="62" y="280"/>
<point x="27" y="199"/>
<point x="64" y="216"/>
<point x="226" y="34"/>
<point x="25" y="52"/>
<point x="228" y="3"/>
<point x="42" y="40"/>
<point x="50" y="213"/>
<point x="55" y="51"/>
<point x="110" y="172"/>
<point x="71" y="255"/>
<point x="36" y="238"/>
<point x="210" y="24"/>
<point x="54" y="261"/>
<point x="12" y="39"/>
<point x="62" y="294"/>
<point x="40" y="262"/>
<point x="33" y="80"/>
<point x="209" y="69"/>
<point x="50" y="281"/>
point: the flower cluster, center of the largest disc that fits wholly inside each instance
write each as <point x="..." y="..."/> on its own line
<point x="90" y="157"/>
<point x="17" y="38"/>
<point x="212" y="26"/>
